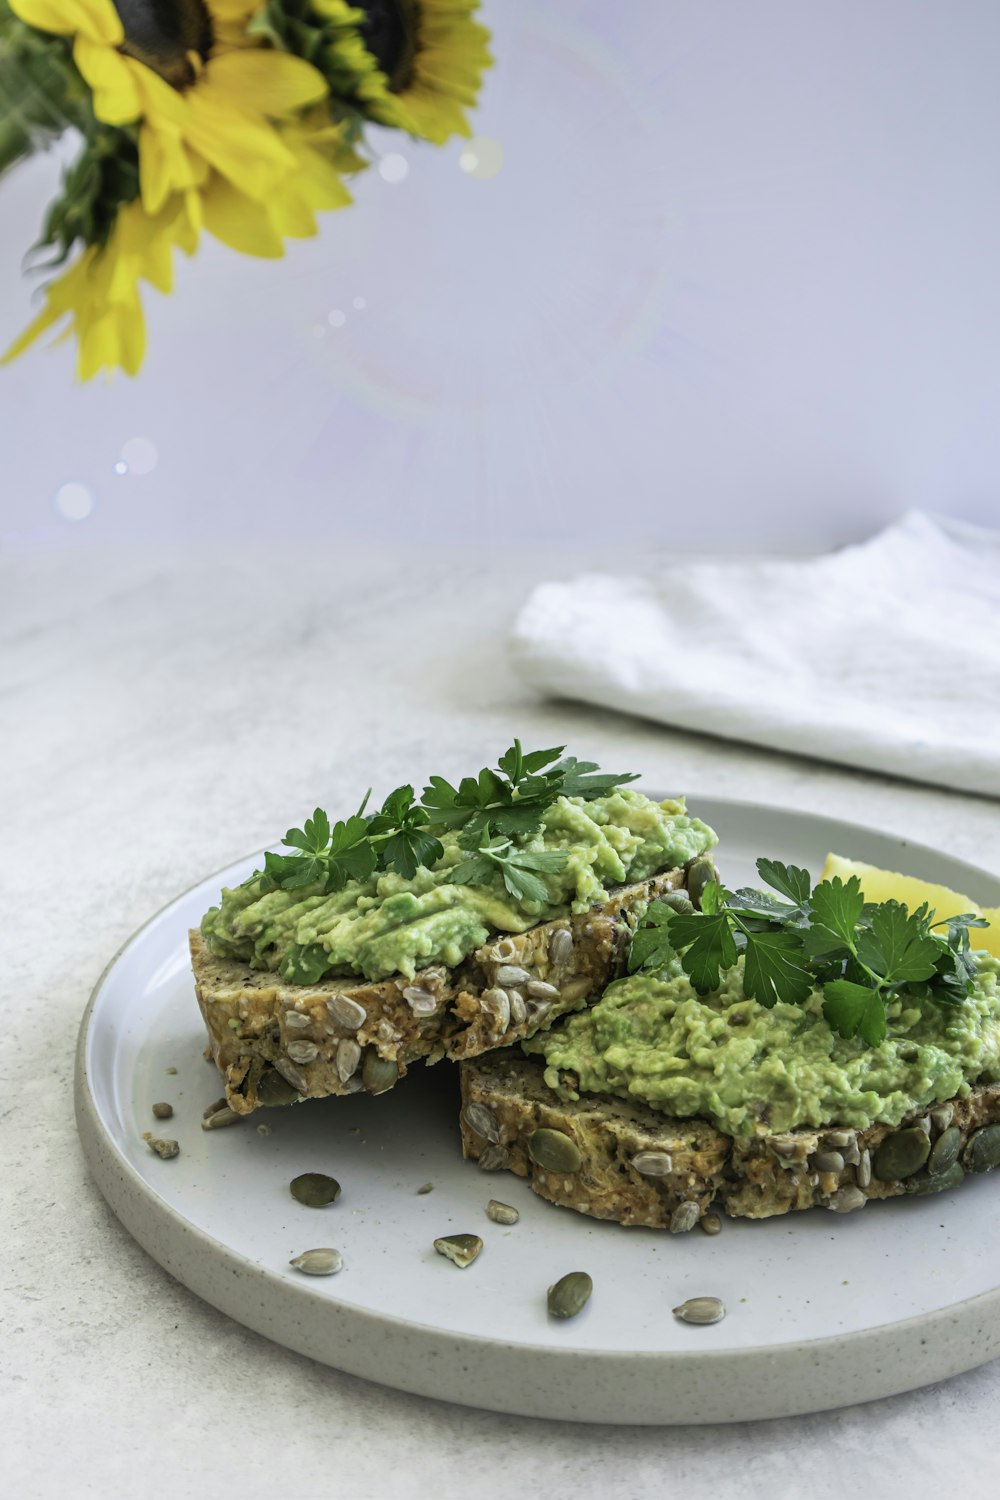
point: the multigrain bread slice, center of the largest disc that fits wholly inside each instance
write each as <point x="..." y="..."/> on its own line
<point x="275" y="1042"/>
<point x="616" y="1160"/>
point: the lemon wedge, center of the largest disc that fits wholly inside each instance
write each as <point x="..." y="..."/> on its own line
<point x="890" y="885"/>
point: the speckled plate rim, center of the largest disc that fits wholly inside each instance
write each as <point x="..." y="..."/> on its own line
<point x="559" y="1382"/>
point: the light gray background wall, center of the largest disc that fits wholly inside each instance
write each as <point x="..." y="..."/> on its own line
<point x="738" y="278"/>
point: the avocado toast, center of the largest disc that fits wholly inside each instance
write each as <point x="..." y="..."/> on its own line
<point x="441" y="928"/>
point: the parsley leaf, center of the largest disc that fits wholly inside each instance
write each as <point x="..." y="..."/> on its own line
<point x="855" y="1008"/>
<point x="519" y="868"/>
<point x="790" y="880"/>
<point x="774" y="969"/>
<point x="651" y="947"/>
<point x="305" y="965"/>
<point x="706" y="946"/>
<point x="896" y="945"/>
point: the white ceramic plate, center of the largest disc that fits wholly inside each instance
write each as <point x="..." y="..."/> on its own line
<point x="823" y="1309"/>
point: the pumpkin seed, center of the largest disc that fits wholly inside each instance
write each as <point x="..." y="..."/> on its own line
<point x="846" y="1199"/>
<point x="569" y="1295"/>
<point x="273" y="1089"/>
<point x="710" y="1224"/>
<point x="494" y="1159"/>
<point x="163" y="1111"/>
<point x="511" y="974"/>
<point x="700" y="1310"/>
<point x="348" y="1057"/>
<point x="378" y="1073"/>
<point x="324" y="1262"/>
<point x="553" y="1150"/>
<point x="346" y="1012"/>
<point x="944" y="1152"/>
<point x="982" y="1152"/>
<point x="481" y="1121"/>
<point x="561" y="946"/>
<point x="314" y="1189"/>
<point x="901" y="1154"/>
<point x="683" y="1218"/>
<point x="460" y="1248"/>
<point x="701" y="872"/>
<point x="828" y="1161"/>
<point x="163" y="1149"/>
<point x="678" y="901"/>
<point x="653" y="1163"/>
<point x="221" y="1118"/>
<point x="941" y="1182"/>
<point x="302" y="1052"/>
<point x="501" y="1213"/>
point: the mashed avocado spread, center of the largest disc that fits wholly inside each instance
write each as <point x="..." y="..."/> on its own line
<point x="388" y="924"/>
<point x="727" y="1059"/>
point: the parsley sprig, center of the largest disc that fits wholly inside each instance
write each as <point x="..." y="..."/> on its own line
<point x="862" y="955"/>
<point x="492" y="810"/>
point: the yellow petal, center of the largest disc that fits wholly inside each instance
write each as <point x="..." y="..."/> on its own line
<point x="166" y="166"/>
<point x="249" y="152"/>
<point x="239" y="222"/>
<point x="116" y="100"/>
<point x="34" y="330"/>
<point x="265" y="81"/>
<point x="97" y="19"/>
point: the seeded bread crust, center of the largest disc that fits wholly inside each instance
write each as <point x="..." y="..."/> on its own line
<point x="636" y="1166"/>
<point x="275" y="1043"/>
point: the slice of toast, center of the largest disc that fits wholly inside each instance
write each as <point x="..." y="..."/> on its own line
<point x="617" y="1160"/>
<point x="275" y="1042"/>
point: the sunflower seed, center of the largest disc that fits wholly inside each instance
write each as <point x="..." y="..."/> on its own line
<point x="683" y="1218"/>
<point x="569" y="1295"/>
<point x="942" y="1116"/>
<point x="296" y="1021"/>
<point x="512" y="974"/>
<point x="163" y="1111"/>
<point x="561" y="946"/>
<point x="497" y="1002"/>
<point x="553" y="1150"/>
<point x="420" y="1001"/>
<point x="481" y="1121"/>
<point x="537" y="1011"/>
<point x="302" y="1052"/>
<point x="460" y="1248"/>
<point x="518" y="1009"/>
<point x="323" y="1262"/>
<point x="787" y="1149"/>
<point x="538" y="989"/>
<point x="653" y="1163"/>
<point x="828" y="1161"/>
<point x="214" y="1107"/>
<point x="163" y="1149"/>
<point x="378" y="1073"/>
<point x="846" y="1199"/>
<point x="851" y="1153"/>
<point x="314" y="1189"/>
<point x="864" y="1169"/>
<point x="710" y="1224"/>
<point x="494" y="1159"/>
<point x="501" y="1213"/>
<point x="291" y="1074"/>
<point x="427" y="1187"/>
<point x="348" y="1057"/>
<point x="346" y="1012"/>
<point x="700" y="1310"/>
<point x="837" y="1139"/>
<point x="504" y="950"/>
<point x="221" y="1118"/>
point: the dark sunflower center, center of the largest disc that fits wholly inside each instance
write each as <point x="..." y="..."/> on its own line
<point x="389" y="31"/>
<point x="161" y="33"/>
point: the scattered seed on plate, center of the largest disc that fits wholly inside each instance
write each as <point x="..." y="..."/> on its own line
<point x="220" y="1119"/>
<point x="263" y="1129"/>
<point x="460" y="1248"/>
<point x="428" y="1187"/>
<point x="710" y="1224"/>
<point x="214" y="1107"/>
<point x="314" y="1189"/>
<point x="163" y="1149"/>
<point x="700" y="1310"/>
<point x="322" y="1262"/>
<point x="163" y="1111"/>
<point x="569" y="1295"/>
<point x="501" y="1213"/>
<point x="170" y="1070"/>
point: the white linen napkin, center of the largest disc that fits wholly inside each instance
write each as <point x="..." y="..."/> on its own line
<point x="884" y="655"/>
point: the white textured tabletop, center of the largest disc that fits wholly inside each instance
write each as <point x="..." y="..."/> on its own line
<point x="161" y="715"/>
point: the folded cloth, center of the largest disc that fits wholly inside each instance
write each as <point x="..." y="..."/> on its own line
<point x="884" y="655"/>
